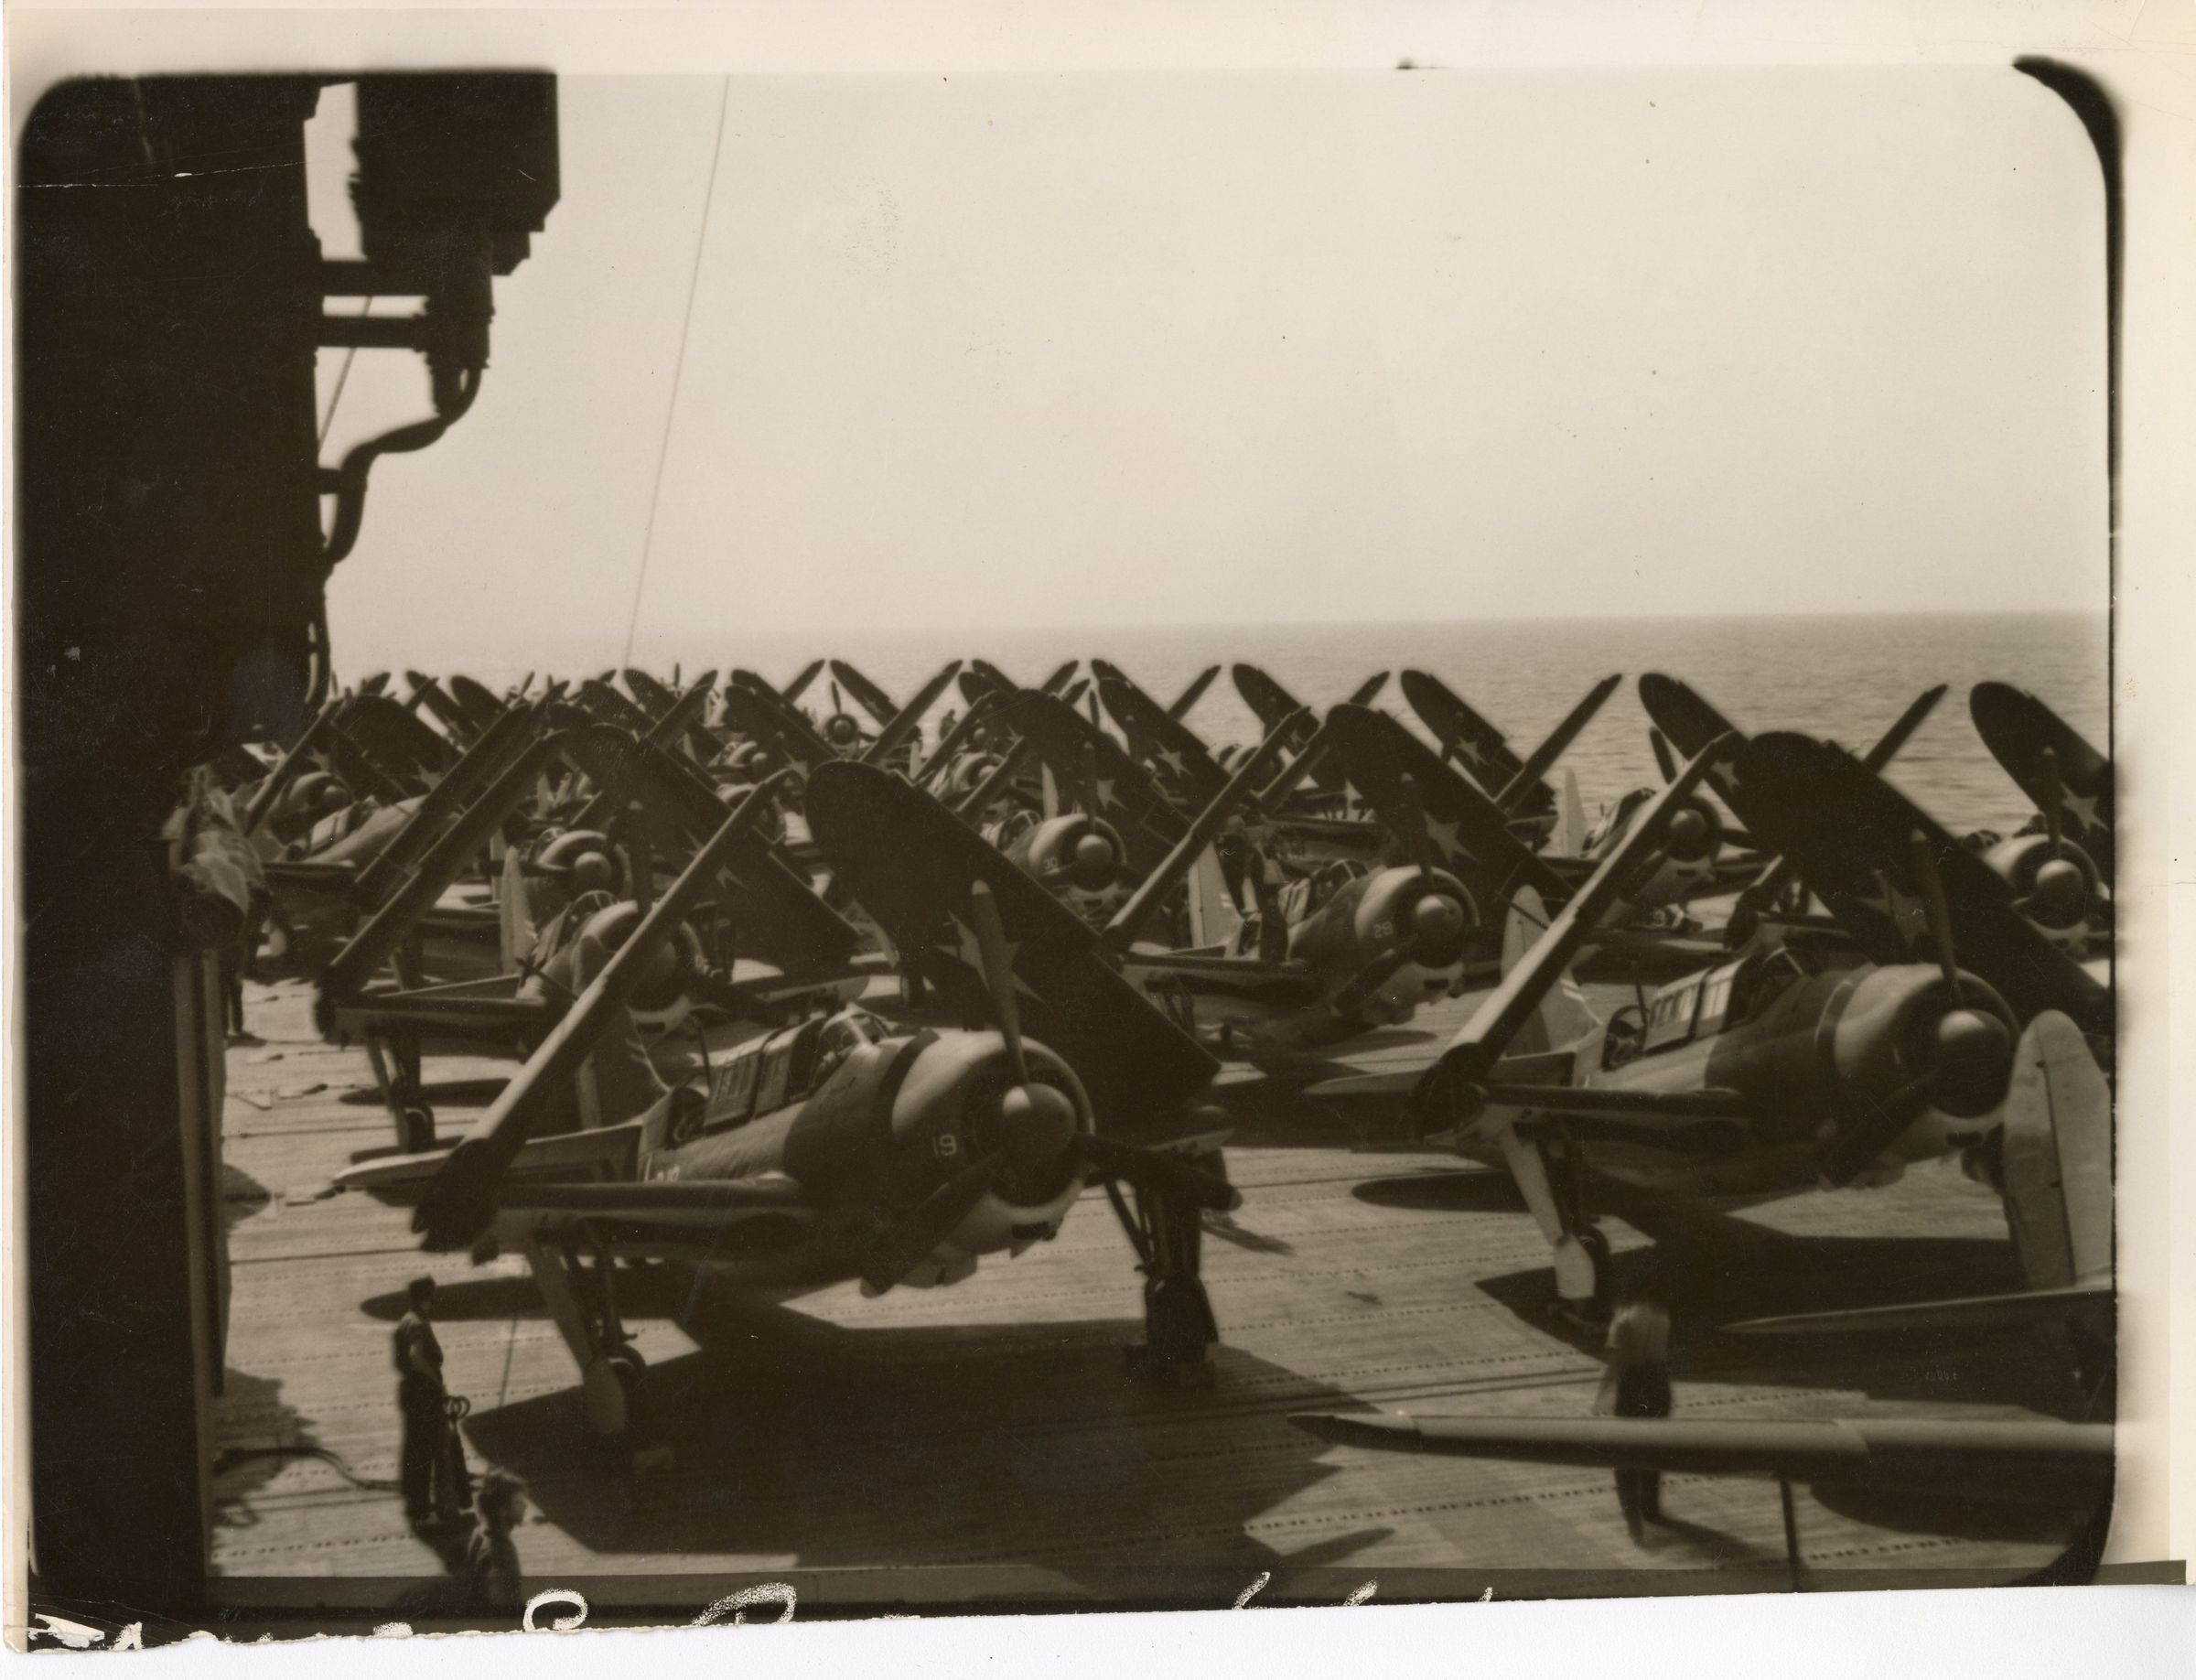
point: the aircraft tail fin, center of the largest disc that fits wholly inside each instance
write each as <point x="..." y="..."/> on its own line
<point x="1213" y="917"/>
<point x="1563" y="1017"/>
<point x="514" y="913"/>
<point x="2057" y="1173"/>
<point x="1569" y="838"/>
<point x="2058" y="1156"/>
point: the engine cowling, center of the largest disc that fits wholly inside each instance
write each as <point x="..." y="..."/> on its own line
<point x="2057" y="891"/>
<point x="1424" y="916"/>
<point x="1080" y="860"/>
<point x="1908" y="1043"/>
<point x="959" y="1104"/>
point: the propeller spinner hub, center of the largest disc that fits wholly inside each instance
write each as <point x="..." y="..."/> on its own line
<point x="1689" y="833"/>
<point x="2061" y="886"/>
<point x="593" y="872"/>
<point x="1972" y="1052"/>
<point x="1437" y="923"/>
<point x="1093" y="855"/>
<point x="1036" y="1122"/>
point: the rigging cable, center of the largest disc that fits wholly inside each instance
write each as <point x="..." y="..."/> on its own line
<point x="655" y="496"/>
<point x="342" y="378"/>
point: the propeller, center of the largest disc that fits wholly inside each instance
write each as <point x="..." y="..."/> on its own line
<point x="1416" y="838"/>
<point x="1034" y="1123"/>
<point x="460" y="1201"/>
<point x="1968" y="1056"/>
<point x="1038" y="1121"/>
<point x="1663" y="759"/>
<point x="2060" y="888"/>
<point x="1087" y="761"/>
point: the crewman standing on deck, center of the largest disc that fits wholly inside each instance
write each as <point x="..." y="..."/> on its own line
<point x="1637" y="1384"/>
<point x="420" y="1398"/>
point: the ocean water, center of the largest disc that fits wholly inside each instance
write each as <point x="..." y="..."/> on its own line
<point x="1845" y="678"/>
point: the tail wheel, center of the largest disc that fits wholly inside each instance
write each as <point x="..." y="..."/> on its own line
<point x="416" y="1129"/>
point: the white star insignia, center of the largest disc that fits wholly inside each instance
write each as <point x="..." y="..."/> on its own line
<point x="1105" y="792"/>
<point x="2083" y="811"/>
<point x="1469" y="750"/>
<point x="1443" y="836"/>
<point x="1171" y="759"/>
<point x="1904" y="910"/>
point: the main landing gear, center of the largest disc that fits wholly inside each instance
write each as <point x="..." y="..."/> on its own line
<point x="1167" y="1233"/>
<point x="1550" y="1172"/>
<point x="576" y="1274"/>
<point x="395" y="1059"/>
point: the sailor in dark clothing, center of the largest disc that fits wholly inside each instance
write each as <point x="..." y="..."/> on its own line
<point x="421" y="1399"/>
<point x="1637" y="1384"/>
<point x="491" y="1560"/>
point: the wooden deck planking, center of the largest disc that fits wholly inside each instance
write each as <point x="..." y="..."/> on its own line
<point x="991" y="1423"/>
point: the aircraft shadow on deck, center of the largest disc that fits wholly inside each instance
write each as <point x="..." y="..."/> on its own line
<point x="1002" y="1445"/>
<point x="242" y="1195"/>
<point x="476" y="1091"/>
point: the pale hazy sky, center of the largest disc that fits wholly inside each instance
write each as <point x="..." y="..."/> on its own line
<point x="1043" y="349"/>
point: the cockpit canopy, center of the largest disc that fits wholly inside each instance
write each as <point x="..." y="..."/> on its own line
<point x="782" y="1067"/>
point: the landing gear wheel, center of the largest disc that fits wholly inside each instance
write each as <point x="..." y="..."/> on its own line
<point x="606" y="1388"/>
<point x="1592" y="1311"/>
<point x="1596" y="1245"/>
<point x="643" y="1449"/>
<point x="1177" y="1329"/>
<point x="416" y="1129"/>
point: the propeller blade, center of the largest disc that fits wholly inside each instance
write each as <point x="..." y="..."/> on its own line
<point x="1059" y="679"/>
<point x="2054" y="796"/>
<point x="1663" y="759"/>
<point x="458" y="1205"/>
<point x="899" y="1244"/>
<point x="1156" y="1171"/>
<point x="1089" y="792"/>
<point x="1347" y="1001"/>
<point x="1873" y="1131"/>
<point x="1415" y="835"/>
<point x="998" y="974"/>
<point x="1364" y="693"/>
<point x="1938" y="911"/>
<point x="867" y="694"/>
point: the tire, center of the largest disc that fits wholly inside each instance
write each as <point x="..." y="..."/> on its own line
<point x="416" y="1130"/>
<point x="1596" y="1245"/>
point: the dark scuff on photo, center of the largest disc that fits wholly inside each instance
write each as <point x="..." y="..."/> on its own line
<point x="814" y="846"/>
